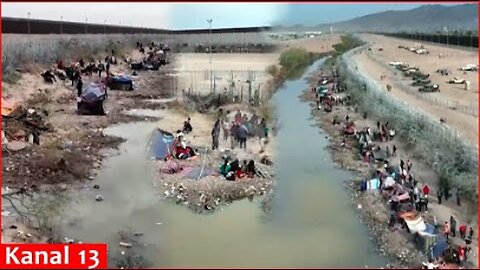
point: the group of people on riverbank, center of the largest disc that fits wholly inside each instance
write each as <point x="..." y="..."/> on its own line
<point x="239" y="130"/>
<point x="405" y="193"/>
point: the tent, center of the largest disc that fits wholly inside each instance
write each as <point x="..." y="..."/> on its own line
<point x="388" y="182"/>
<point x="371" y="184"/>
<point x="121" y="82"/>
<point x="161" y="144"/>
<point x="439" y="248"/>
<point x="91" y="100"/>
<point x="414" y="221"/>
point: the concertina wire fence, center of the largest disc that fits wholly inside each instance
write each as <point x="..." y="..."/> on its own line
<point x="439" y="146"/>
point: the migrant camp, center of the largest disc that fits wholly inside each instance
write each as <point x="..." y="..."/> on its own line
<point x="92" y="99"/>
<point x="120" y="82"/>
<point x="161" y="145"/>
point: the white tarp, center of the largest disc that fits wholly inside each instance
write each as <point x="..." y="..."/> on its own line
<point x="388" y="182"/>
<point x="416" y="225"/>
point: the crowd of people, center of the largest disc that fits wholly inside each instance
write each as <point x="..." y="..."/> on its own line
<point x="406" y="193"/>
<point x="239" y="130"/>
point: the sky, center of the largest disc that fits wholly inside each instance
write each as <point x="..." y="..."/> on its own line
<point x="189" y="15"/>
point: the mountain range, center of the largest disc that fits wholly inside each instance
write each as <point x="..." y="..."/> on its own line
<point x="426" y="18"/>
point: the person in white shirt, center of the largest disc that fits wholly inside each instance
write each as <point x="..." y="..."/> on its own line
<point x="181" y="139"/>
<point x="430" y="264"/>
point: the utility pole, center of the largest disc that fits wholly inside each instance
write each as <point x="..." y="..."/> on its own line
<point x="28" y="15"/>
<point x="446" y="30"/>
<point x="209" y="21"/>
<point x="61" y="25"/>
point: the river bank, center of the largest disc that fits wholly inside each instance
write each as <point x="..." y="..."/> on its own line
<point x="397" y="245"/>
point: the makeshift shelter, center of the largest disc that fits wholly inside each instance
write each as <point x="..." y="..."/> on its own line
<point x="440" y="246"/>
<point x="91" y="100"/>
<point x="372" y="184"/>
<point x="388" y="182"/>
<point x="427" y="238"/>
<point x="414" y="221"/>
<point x="162" y="144"/>
<point x="121" y="82"/>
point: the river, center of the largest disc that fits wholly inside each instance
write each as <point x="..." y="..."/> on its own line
<point x="313" y="224"/>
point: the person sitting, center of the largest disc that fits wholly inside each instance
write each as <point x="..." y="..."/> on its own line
<point x="251" y="171"/>
<point x="235" y="165"/>
<point x="48" y="76"/>
<point x="187" y="127"/>
<point x="185" y="153"/>
<point x="225" y="168"/>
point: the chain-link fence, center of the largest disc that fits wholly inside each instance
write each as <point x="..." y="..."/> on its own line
<point x="470" y="108"/>
<point x="441" y="147"/>
<point x="239" y="85"/>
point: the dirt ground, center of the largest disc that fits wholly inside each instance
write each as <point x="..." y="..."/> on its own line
<point x="375" y="63"/>
<point x="73" y="150"/>
<point x="192" y="68"/>
<point x="319" y="44"/>
<point x="374" y="210"/>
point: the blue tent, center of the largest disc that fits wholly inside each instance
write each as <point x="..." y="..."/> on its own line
<point x="439" y="247"/>
<point x="122" y="79"/>
<point x="121" y="82"/>
<point x="93" y="93"/>
<point x="161" y="144"/>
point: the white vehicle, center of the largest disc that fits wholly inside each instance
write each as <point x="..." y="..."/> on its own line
<point x="395" y="63"/>
<point x="456" y="80"/>
<point x="412" y="49"/>
<point x="470" y="67"/>
<point x="421" y="51"/>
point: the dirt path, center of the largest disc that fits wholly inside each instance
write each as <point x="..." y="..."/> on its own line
<point x="371" y="64"/>
<point x="374" y="209"/>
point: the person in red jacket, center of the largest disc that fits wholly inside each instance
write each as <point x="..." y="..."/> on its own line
<point x="463" y="231"/>
<point x="425" y="190"/>
<point x="461" y="255"/>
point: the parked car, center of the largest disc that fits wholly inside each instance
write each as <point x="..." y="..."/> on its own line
<point x="456" y="80"/>
<point x="469" y="67"/>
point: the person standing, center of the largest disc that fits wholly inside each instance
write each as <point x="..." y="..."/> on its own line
<point x="446" y="230"/>
<point x="242" y="136"/>
<point x="458" y="195"/>
<point x="394" y="150"/>
<point x="215" y="134"/>
<point x="439" y="195"/>
<point x="461" y="255"/>
<point x="226" y="130"/>
<point x="392" y="221"/>
<point x="469" y="237"/>
<point x="233" y="135"/>
<point x="453" y="226"/>
<point x="425" y="190"/>
<point x="463" y="231"/>
<point x="238" y="117"/>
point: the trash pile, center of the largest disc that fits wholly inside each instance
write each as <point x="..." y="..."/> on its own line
<point x="21" y="126"/>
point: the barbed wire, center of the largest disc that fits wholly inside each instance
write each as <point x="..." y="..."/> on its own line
<point x="440" y="147"/>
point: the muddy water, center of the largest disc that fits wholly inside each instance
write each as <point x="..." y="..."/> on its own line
<point x="313" y="224"/>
